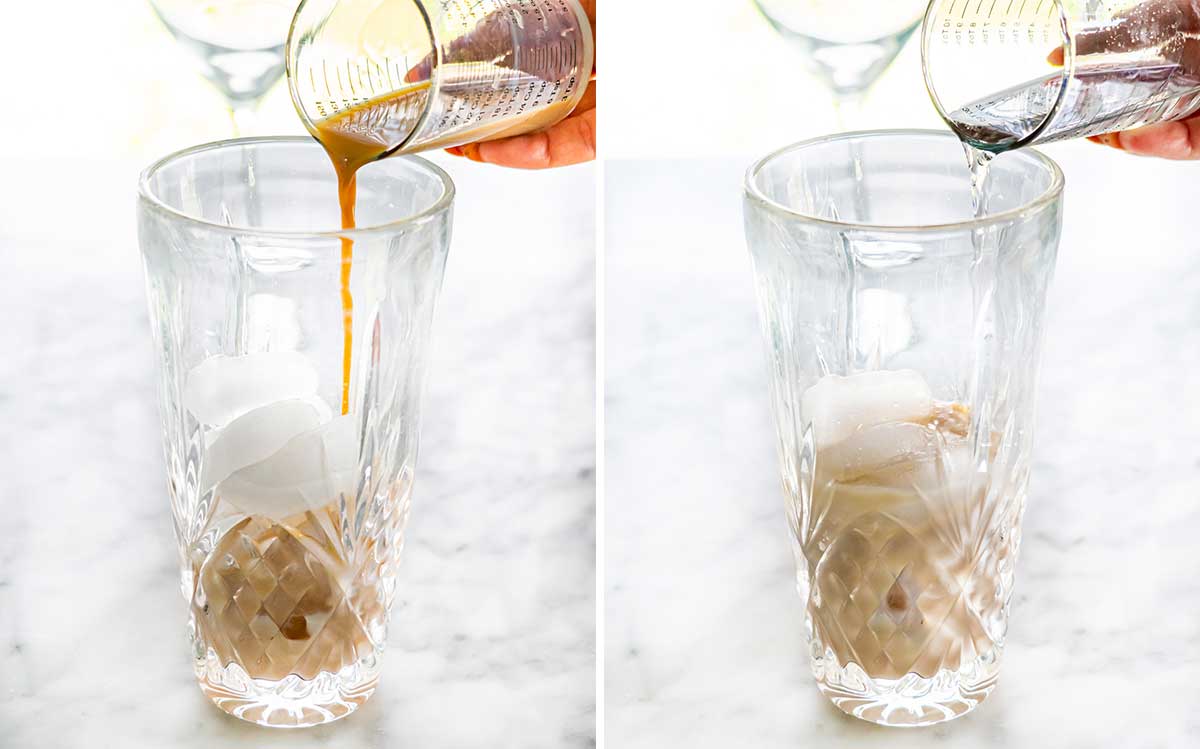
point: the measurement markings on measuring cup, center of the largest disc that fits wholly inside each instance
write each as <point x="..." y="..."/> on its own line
<point x="970" y="26"/>
<point x="338" y="75"/>
<point x="378" y="76"/>
<point x="349" y="79"/>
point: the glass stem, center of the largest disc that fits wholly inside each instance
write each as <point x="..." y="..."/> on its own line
<point x="848" y="107"/>
<point x="244" y="115"/>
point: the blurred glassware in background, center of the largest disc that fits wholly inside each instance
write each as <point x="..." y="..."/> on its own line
<point x="238" y="44"/>
<point x="847" y="43"/>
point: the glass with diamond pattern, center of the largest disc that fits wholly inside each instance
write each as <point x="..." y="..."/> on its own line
<point x="289" y="509"/>
<point x="903" y="335"/>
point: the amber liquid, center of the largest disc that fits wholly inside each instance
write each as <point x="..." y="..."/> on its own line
<point x="894" y="589"/>
<point x="352" y="143"/>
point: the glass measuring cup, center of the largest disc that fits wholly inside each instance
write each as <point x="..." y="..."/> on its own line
<point x="400" y="76"/>
<point x="1011" y="73"/>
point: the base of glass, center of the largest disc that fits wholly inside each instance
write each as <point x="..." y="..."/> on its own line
<point x="909" y="702"/>
<point x="291" y="702"/>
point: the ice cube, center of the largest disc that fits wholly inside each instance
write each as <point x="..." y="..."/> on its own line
<point x="308" y="472"/>
<point x="257" y="435"/>
<point x="938" y="488"/>
<point x="949" y="476"/>
<point x="837" y="407"/>
<point x="222" y="388"/>
<point x="946" y="473"/>
<point x="874" y="450"/>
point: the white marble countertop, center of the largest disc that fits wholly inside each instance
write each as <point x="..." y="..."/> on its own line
<point x="703" y="628"/>
<point x="492" y="642"/>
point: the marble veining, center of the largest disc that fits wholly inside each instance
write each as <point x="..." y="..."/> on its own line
<point x="492" y="640"/>
<point x="704" y="630"/>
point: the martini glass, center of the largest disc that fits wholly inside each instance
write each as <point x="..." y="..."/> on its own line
<point x="239" y="45"/>
<point x="846" y="43"/>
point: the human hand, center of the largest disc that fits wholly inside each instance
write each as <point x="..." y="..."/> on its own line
<point x="571" y="141"/>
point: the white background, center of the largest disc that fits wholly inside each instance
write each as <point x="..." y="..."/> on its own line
<point x="702" y="78"/>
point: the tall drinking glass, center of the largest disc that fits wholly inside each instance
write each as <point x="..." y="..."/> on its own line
<point x="289" y="511"/>
<point x="903" y="337"/>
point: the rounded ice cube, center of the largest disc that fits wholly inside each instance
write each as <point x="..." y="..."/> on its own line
<point x="837" y="407"/>
<point x="222" y="388"/>
<point x="310" y="471"/>
<point x="257" y="435"/>
<point x="874" y="449"/>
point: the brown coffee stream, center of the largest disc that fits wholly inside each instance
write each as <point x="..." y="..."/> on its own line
<point x="352" y="140"/>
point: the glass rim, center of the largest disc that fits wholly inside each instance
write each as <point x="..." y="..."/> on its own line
<point x="752" y="191"/>
<point x="148" y="198"/>
<point x="1065" y="75"/>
